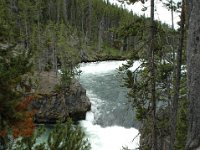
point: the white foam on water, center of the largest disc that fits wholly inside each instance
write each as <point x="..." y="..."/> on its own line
<point x="96" y="102"/>
<point x="100" y="67"/>
<point x="105" y="67"/>
<point x="135" y="65"/>
<point x="109" y="138"/>
<point x="112" y="137"/>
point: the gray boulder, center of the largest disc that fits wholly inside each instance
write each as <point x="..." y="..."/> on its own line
<point x="60" y="105"/>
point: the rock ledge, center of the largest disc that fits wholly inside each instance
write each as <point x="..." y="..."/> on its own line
<point x="55" y="106"/>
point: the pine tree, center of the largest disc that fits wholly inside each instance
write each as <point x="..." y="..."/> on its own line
<point x="63" y="136"/>
<point x="175" y="101"/>
<point x="12" y="68"/>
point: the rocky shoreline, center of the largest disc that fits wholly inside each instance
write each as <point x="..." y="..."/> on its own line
<point x="105" y="58"/>
<point x="59" y="105"/>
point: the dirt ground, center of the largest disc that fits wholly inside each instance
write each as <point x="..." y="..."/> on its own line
<point x="47" y="81"/>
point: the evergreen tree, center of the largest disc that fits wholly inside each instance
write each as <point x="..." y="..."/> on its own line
<point x="175" y="100"/>
<point x="156" y="62"/>
<point x="63" y="136"/>
<point x="12" y="68"/>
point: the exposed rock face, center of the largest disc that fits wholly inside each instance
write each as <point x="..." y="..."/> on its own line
<point x="59" y="106"/>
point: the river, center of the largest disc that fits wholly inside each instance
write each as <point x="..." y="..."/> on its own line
<point x="110" y="124"/>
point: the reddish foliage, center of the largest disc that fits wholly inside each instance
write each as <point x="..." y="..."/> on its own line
<point x="23" y="105"/>
<point x="3" y="133"/>
<point x="25" y="126"/>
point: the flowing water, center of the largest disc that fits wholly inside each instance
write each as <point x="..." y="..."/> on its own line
<point x="110" y="124"/>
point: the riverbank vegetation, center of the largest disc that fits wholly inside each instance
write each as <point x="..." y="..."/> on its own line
<point x="158" y="87"/>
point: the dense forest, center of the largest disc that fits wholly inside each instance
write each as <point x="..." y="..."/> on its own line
<point x="38" y="36"/>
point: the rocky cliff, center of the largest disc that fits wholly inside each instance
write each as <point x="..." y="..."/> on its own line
<point x="61" y="104"/>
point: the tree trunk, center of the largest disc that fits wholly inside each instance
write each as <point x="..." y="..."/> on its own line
<point x="100" y="33"/>
<point x="65" y="11"/>
<point x="174" y="105"/>
<point x="172" y="13"/>
<point x="125" y="43"/>
<point x="152" y="75"/>
<point x="2" y="140"/>
<point x="193" y="66"/>
<point x="58" y="11"/>
<point x="89" y="19"/>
